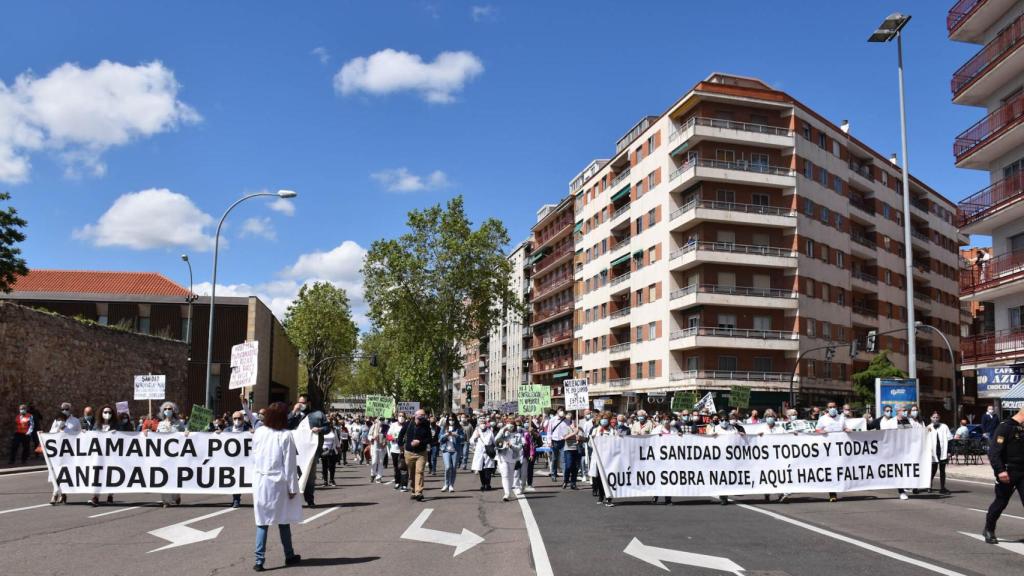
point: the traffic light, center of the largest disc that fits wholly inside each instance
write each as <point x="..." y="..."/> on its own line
<point x="830" y="352"/>
<point x="872" y="341"/>
<point x="854" y="348"/>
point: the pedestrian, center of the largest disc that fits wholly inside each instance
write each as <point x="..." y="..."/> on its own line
<point x="989" y="422"/>
<point x="604" y="428"/>
<point x="344" y="439"/>
<point x="170" y="423"/>
<point x="531" y="440"/>
<point x="894" y="420"/>
<point x="37" y="418"/>
<point x="831" y="421"/>
<point x="509" y="441"/>
<point x="276" y="483"/>
<point x="1006" y="455"/>
<point x="88" y="420"/>
<point x="557" y="428"/>
<point x="452" y="440"/>
<point x="106" y="424"/>
<point x="484" y="453"/>
<point x="397" y="460"/>
<point x="378" y="449"/>
<point x="435" y="445"/>
<point x="570" y="454"/>
<point x="416" y="439"/>
<point x="962" y="432"/>
<point x="727" y="425"/>
<point x="938" y="439"/>
<point x="467" y="433"/>
<point x="69" y="424"/>
<point x="642" y="426"/>
<point x="329" y="455"/>
<point x="238" y="426"/>
<point x="24" y="428"/>
<point x="585" y="426"/>
<point x="355" y="431"/>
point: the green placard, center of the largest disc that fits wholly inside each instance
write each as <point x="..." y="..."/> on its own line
<point x="379" y="406"/>
<point x="739" y="397"/>
<point x="533" y="399"/>
<point x="683" y="401"/>
<point x="199" y="418"/>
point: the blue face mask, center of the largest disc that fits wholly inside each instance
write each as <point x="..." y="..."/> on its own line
<point x="604" y="422"/>
<point x="770" y="421"/>
<point x="832" y="412"/>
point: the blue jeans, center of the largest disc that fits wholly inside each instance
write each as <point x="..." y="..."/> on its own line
<point x="261" y="541"/>
<point x="432" y="459"/>
<point x="451" y="467"/>
<point x="570" y="461"/>
<point x="464" y="457"/>
<point x="556" y="456"/>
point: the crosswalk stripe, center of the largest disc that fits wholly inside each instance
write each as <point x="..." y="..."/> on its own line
<point x="315" y="516"/>
<point x="1002" y="516"/>
<point x="1011" y="546"/>
<point x="115" y="511"/>
<point x="23" y="508"/>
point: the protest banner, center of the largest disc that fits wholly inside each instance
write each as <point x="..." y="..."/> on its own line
<point x="131" y="463"/>
<point x="378" y="406"/>
<point x="739" y="397"/>
<point x="576" y="393"/>
<point x="305" y="446"/>
<point x="509" y="407"/>
<point x="244" y="365"/>
<point x="683" y="401"/>
<point x="697" y="466"/>
<point x="122" y="407"/>
<point x="150" y="386"/>
<point x="531" y="399"/>
<point x="408" y="407"/>
<point x="199" y="418"/>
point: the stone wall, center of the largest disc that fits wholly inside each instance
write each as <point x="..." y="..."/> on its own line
<point x="47" y="359"/>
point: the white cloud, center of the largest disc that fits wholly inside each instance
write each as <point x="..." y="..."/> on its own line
<point x="401" y="180"/>
<point x="284" y="206"/>
<point x="261" y="227"/>
<point x="322" y="54"/>
<point x="481" y="13"/>
<point x="153" y="218"/>
<point x="390" y="71"/>
<point x="80" y="113"/>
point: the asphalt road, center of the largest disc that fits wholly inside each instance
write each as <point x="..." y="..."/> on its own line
<point x="357" y="529"/>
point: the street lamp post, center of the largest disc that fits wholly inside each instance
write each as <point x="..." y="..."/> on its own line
<point x="213" y="286"/>
<point x="891" y="28"/>
<point x="190" y="299"/>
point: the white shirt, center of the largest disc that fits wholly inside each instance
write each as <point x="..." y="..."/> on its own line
<point x="827" y="423"/>
<point x="557" y="429"/>
<point x="71" y="425"/>
<point x="962" y="433"/>
<point x="888" y="423"/>
<point x="393" y="431"/>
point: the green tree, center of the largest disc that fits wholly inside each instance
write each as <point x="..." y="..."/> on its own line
<point x="320" y="325"/>
<point x="880" y="367"/>
<point x="12" y="264"/>
<point x="437" y="285"/>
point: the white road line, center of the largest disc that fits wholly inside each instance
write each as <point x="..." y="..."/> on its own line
<point x="318" y="515"/>
<point x="540" y="554"/>
<point x="115" y="511"/>
<point x="1011" y="546"/>
<point x="1002" y="516"/>
<point x="23" y="508"/>
<point x="855" y="542"/>
<point x="989" y="484"/>
<point x="2" y="476"/>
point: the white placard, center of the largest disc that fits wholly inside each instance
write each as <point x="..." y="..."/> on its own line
<point x="408" y="407"/>
<point x="244" y="364"/>
<point x="599" y="404"/>
<point x="577" y="395"/>
<point x="150" y="387"/>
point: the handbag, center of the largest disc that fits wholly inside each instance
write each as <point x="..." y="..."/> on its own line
<point x="490" y="451"/>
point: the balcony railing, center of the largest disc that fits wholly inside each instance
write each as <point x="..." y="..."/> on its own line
<point x="736" y="165"/>
<point x="552" y="286"/>
<point x="919" y="235"/>
<point x="992" y="272"/>
<point x="989" y="127"/>
<point x="960" y="12"/>
<point x="624" y="347"/>
<point x="620" y="211"/>
<point x="624" y="243"/>
<point x="618" y="382"/>
<point x="1007" y="40"/>
<point x="927" y="298"/>
<point x="862" y="205"/>
<point x="550" y="259"/>
<point x="751" y="376"/>
<point x="920" y="204"/>
<point x="732" y="207"/>
<point x="542" y="315"/>
<point x="733" y="248"/>
<point x="732" y="291"/>
<point x="864" y="277"/>
<point x="541" y="239"/>
<point x="862" y="169"/>
<point x="549" y="364"/>
<point x="735" y="333"/>
<point x="620" y="313"/>
<point x="992" y="346"/>
<point x="863" y="240"/>
<point x="620" y="279"/>
<point x="552" y="338"/>
<point x="728" y="125"/>
<point x="865" y="311"/>
<point x="997" y="195"/>
<point x="620" y="178"/>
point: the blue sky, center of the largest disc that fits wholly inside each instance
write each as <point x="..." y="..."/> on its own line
<point x="198" y="103"/>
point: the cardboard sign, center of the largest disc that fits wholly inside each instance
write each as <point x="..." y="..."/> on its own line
<point x="533" y="399"/>
<point x="577" y="394"/>
<point x="408" y="407"/>
<point x="150" y="387"/>
<point x="122" y="407"/>
<point x="739" y="397"/>
<point x="683" y="401"/>
<point x="244" y="364"/>
<point x="379" y="406"/>
<point x="199" y="419"/>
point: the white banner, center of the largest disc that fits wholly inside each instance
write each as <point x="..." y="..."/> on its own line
<point x="171" y="463"/>
<point x="577" y="395"/>
<point x="244" y="364"/>
<point x="150" y="387"/>
<point x="409" y="408"/>
<point x="697" y="465"/>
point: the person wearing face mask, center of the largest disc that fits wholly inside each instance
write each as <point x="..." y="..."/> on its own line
<point x="24" y="428"/>
<point x="467" y="431"/>
<point x="570" y="454"/>
<point x="509" y="442"/>
<point x="664" y="427"/>
<point x="989" y="422"/>
<point x="64" y="422"/>
<point x="435" y="445"/>
<point x="621" y="427"/>
<point x="772" y="426"/>
<point x="170" y="422"/>
<point x="275" y="483"/>
<point x="831" y="421"/>
<point x="893" y="419"/>
<point x="88" y="420"/>
<point x="604" y="428"/>
<point x="238" y="425"/>
<point x="395" y="449"/>
<point x="557" y="428"/>
<point x="106" y="424"/>
<point x="914" y="417"/>
<point x="730" y="425"/>
<point x="377" y="439"/>
<point x="643" y="426"/>
<point x="452" y="440"/>
<point x="938" y="440"/>
<point x="484" y="453"/>
<point x="531" y="439"/>
<point x="416" y="440"/>
<point x="585" y="426"/>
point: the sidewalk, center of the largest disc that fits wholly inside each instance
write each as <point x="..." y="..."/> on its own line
<point x="978" y="472"/>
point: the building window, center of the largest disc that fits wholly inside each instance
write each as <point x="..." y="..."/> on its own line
<point x="808" y="207"/>
<point x="727" y="321"/>
<point x="639" y="370"/>
<point x="839" y="221"/>
<point x="835" y="148"/>
<point x="822" y="140"/>
<point x="759" y="160"/>
<point x="651" y="365"/>
<point x="639" y="296"/>
<point x="639" y="225"/>
<point x="652" y="331"/>
<point x="652" y="254"/>
<point x="840" y="259"/>
<point x="810" y="324"/>
<point x="809" y="247"/>
<point x="886" y="212"/>
<point x="826" y="331"/>
<point x="725" y="155"/>
<point x="639" y="333"/>
<point x="763" y="323"/>
<point x="604" y="374"/>
<point x="727" y="363"/>
<point x="693" y="363"/>
<point x="840" y="296"/>
<point x="762" y="364"/>
<point x="758" y="199"/>
<point x="837" y="184"/>
<point x="604" y="342"/>
<point x="824" y="215"/>
<point x="807" y="131"/>
<point x="651" y="218"/>
<point x="823" y="178"/>
<point x="651" y="181"/>
<point x="808" y="170"/>
<point x="650" y="143"/>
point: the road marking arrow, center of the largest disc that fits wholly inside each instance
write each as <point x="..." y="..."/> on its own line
<point x="656" y="556"/>
<point x="180" y="534"/>
<point x="461" y="542"/>
<point x="1011" y="546"/>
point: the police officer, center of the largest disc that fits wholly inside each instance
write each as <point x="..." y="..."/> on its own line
<point x="1006" y="454"/>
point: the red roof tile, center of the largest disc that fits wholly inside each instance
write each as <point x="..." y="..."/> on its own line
<point x="81" y="281"/>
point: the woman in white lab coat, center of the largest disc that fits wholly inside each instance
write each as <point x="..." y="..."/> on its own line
<point x="484" y="462"/>
<point x="276" y="483"/>
<point x="938" y="444"/>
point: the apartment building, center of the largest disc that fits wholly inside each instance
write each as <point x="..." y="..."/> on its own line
<point x="469" y="385"/>
<point x="992" y="79"/>
<point x="735" y="231"/>
<point x="509" y="351"/>
<point x="551" y="260"/>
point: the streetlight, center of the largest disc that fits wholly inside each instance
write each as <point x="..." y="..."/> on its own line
<point x="190" y="299"/>
<point x="952" y="359"/>
<point x="213" y="287"/>
<point x="891" y="28"/>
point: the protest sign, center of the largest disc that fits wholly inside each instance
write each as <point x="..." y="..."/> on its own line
<point x="509" y="407"/>
<point x="531" y="399"/>
<point x="683" y="401"/>
<point x="122" y="407"/>
<point x="150" y="387"/>
<point x="379" y="406"/>
<point x="244" y="364"/>
<point x="577" y="395"/>
<point x="199" y="419"/>
<point x="130" y="463"/>
<point x="599" y="404"/>
<point x="408" y="407"/>
<point x="734" y="464"/>
<point x="739" y="397"/>
<point x="706" y="404"/>
<point x="305" y="446"/>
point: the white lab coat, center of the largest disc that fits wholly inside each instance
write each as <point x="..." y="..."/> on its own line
<point x="274" y="463"/>
<point x="481" y="460"/>
<point x="597" y="433"/>
<point x="940" y="435"/>
<point x="72" y="426"/>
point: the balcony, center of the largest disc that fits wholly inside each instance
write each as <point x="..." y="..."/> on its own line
<point x="862" y="204"/>
<point x="921" y="204"/>
<point x="552" y="259"/>
<point x="697" y="129"/>
<point x="991" y="137"/>
<point x="923" y="298"/>
<point x="620" y="177"/>
<point x="865" y="314"/>
<point x="620" y="247"/>
<point x="862" y="169"/>
<point x="864" y="277"/>
<point x="741" y="172"/>
<point x="618" y="383"/>
<point x="619" y="212"/>
<point x="713" y="337"/>
<point x="551" y="287"/>
<point x="863" y="244"/>
<point x="994" y="348"/>
<point x="541" y="316"/>
<point x="998" y="63"/>
<point x="551" y="364"/>
<point x="551" y="339"/>
<point x="739" y="296"/>
<point x="696" y="378"/>
<point x="619" y="349"/>
<point x="993" y="278"/>
<point x="698" y="210"/>
<point x="557" y="230"/>
<point x="619" y="279"/>
<point x="695" y="253"/>
<point x="992" y="207"/>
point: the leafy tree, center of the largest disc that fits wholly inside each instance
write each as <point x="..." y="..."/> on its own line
<point x="320" y="325"/>
<point x="12" y="264"/>
<point x="437" y="285"/>
<point x="880" y="367"/>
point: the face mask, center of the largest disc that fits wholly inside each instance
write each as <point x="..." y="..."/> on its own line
<point x="935" y="422"/>
<point x="832" y="412"/>
<point x="87" y="417"/>
<point x="23" y="411"/>
<point x="888" y="414"/>
<point x="991" y="410"/>
<point x="846" y="412"/>
<point x="168" y="413"/>
<point x="590" y="416"/>
<point x="107" y="415"/>
<point x="642" y="418"/>
<point x="913" y="413"/>
<point x="260" y="417"/>
<point x="604" y="422"/>
<point x="237" y="422"/>
<point x="401" y="420"/>
<point x="792" y="417"/>
<point x="561" y="414"/>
